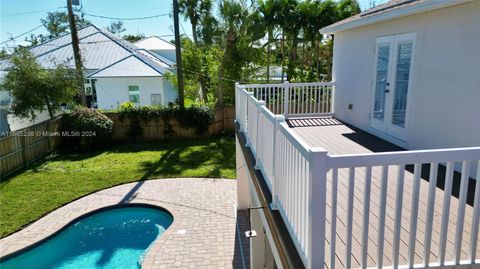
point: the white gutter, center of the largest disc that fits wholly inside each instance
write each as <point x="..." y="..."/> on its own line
<point x="395" y="13"/>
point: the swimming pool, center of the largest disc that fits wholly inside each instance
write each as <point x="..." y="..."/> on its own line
<point x="112" y="238"/>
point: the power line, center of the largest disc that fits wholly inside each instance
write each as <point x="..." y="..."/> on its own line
<point x="27" y="12"/>
<point x="27" y="32"/>
<point x="126" y="19"/>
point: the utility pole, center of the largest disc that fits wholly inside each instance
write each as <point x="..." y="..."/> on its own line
<point x="76" y="54"/>
<point x="178" y="54"/>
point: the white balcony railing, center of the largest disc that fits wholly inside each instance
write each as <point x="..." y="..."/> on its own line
<point x="298" y="174"/>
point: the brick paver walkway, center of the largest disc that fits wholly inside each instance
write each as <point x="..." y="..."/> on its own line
<point x="204" y="232"/>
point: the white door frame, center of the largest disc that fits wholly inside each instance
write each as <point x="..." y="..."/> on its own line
<point x="386" y="126"/>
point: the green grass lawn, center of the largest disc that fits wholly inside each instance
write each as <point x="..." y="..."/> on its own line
<point x="65" y="177"/>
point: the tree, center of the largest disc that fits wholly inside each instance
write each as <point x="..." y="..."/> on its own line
<point x="134" y="38"/>
<point x="198" y="11"/>
<point x="3" y="54"/>
<point x="116" y="27"/>
<point x="35" y="89"/>
<point x="57" y="23"/>
<point x="347" y="8"/>
<point x="269" y="9"/>
<point x="242" y="27"/>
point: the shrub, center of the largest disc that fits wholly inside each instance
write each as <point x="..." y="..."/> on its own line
<point x="86" y="129"/>
<point x="198" y="118"/>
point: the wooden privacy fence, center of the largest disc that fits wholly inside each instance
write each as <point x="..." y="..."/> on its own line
<point x="22" y="147"/>
<point x="156" y="129"/>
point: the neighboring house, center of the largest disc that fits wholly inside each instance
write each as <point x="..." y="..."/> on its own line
<point x="379" y="168"/>
<point x="159" y="46"/>
<point x="116" y="70"/>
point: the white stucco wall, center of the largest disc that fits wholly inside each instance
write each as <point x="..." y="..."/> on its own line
<point x="444" y="97"/>
<point x="113" y="91"/>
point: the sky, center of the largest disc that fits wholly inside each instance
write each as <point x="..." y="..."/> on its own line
<point x="20" y="16"/>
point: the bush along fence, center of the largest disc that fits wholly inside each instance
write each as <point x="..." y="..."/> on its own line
<point x="147" y="123"/>
<point x="22" y="147"/>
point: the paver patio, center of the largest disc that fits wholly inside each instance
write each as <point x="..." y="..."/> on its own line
<point x="204" y="233"/>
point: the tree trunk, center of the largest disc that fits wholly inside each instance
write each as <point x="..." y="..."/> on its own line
<point x="50" y="110"/>
<point x="203" y="85"/>
<point x="221" y="69"/>
<point x="194" y="31"/>
<point x="203" y="89"/>
<point x="269" y="54"/>
<point x="4" y="126"/>
<point x="292" y="57"/>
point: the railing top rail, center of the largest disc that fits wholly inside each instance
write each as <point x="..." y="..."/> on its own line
<point x="258" y="85"/>
<point x="269" y="114"/>
<point x="404" y="157"/>
<point x="296" y="141"/>
<point x="301" y="84"/>
<point x="282" y="84"/>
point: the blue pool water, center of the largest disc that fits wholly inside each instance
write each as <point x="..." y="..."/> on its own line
<point x="112" y="239"/>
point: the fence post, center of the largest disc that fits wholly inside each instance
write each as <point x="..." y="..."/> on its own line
<point x="286" y="98"/>
<point x="24" y="151"/>
<point x="276" y="128"/>
<point x="49" y="143"/>
<point x="257" y="136"/>
<point x="317" y="208"/>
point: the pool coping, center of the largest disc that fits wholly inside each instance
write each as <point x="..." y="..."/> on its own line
<point x="149" y="256"/>
<point x="27" y="248"/>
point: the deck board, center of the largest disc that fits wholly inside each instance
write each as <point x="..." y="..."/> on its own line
<point x="339" y="138"/>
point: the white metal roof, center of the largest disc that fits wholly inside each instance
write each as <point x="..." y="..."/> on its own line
<point x="97" y="51"/>
<point x="155" y="43"/>
<point x="100" y="50"/>
<point x="130" y="66"/>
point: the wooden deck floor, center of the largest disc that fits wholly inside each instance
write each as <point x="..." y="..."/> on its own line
<point x="339" y="138"/>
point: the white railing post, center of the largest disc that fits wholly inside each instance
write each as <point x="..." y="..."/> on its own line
<point x="257" y="137"/>
<point x="286" y="98"/>
<point x="242" y="109"/>
<point x="247" y="102"/>
<point x="317" y="208"/>
<point x="332" y="99"/>
<point x="276" y="167"/>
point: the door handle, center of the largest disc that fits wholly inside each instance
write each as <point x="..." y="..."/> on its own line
<point x="387" y="91"/>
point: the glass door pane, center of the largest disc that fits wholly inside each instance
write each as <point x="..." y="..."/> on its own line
<point x="402" y="75"/>
<point x="381" y="81"/>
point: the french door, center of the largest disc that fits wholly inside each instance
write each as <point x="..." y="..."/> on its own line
<point x="393" y="66"/>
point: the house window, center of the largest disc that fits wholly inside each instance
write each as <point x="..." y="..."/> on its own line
<point x="156" y="99"/>
<point x="134" y="94"/>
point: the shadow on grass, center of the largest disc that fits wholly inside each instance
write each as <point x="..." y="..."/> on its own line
<point x="209" y="158"/>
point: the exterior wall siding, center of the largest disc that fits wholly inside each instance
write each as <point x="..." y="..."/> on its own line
<point x="444" y="97"/>
<point x="113" y="91"/>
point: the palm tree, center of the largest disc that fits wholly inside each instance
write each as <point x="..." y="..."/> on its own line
<point x="288" y="18"/>
<point x="268" y="9"/>
<point x="242" y="25"/>
<point x="196" y="11"/>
